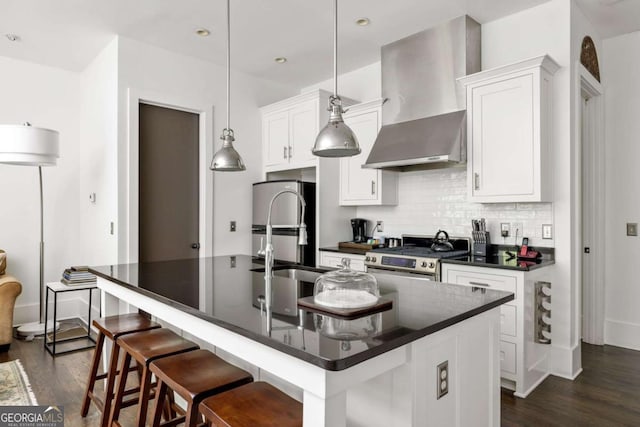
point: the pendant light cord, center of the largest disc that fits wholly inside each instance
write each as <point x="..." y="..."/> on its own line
<point x="228" y="64"/>
<point x="335" y="48"/>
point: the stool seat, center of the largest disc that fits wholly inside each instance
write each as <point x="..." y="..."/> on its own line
<point x="194" y="376"/>
<point x="144" y="347"/>
<point x="147" y="346"/>
<point x="252" y="405"/>
<point x="199" y="373"/>
<point x="114" y="326"/>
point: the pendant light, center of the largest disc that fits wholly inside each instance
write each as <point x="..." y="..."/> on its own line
<point x="336" y="139"/>
<point x="227" y="158"/>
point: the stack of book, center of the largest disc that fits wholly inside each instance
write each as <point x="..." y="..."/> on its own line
<point x="78" y="275"/>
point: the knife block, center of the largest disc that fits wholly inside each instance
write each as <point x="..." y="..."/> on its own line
<point x="481" y="243"/>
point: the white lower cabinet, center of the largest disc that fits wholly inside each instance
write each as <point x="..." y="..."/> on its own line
<point x="523" y="362"/>
<point x="332" y="259"/>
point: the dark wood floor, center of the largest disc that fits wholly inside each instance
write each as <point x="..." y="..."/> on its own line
<point x="60" y="381"/>
<point x="607" y="393"/>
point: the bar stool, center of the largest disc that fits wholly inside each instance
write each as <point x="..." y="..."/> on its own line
<point x="144" y="348"/>
<point x="194" y="376"/>
<point x="252" y="405"/>
<point x="110" y="327"/>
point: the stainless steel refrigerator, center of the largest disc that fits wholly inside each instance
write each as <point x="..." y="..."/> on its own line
<point x="286" y="210"/>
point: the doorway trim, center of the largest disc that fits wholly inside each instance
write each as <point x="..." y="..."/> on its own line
<point x="590" y="294"/>
<point x="129" y="213"/>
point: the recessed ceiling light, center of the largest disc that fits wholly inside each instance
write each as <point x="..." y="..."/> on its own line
<point x="363" y="22"/>
<point x="280" y="59"/>
<point x="203" y="32"/>
<point x="12" y="37"/>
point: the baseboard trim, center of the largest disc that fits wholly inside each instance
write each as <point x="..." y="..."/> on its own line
<point x="622" y="334"/>
<point x="565" y="362"/>
<point x="533" y="387"/>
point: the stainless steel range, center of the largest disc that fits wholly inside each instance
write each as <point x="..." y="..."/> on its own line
<point x="417" y="255"/>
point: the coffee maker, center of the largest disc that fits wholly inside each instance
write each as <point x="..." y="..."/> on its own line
<point x="359" y="227"/>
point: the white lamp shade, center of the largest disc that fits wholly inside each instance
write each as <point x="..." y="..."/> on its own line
<point x="28" y="146"/>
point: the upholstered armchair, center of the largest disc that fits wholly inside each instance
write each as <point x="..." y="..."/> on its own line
<point x="10" y="288"/>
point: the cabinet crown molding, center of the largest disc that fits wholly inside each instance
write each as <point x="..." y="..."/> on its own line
<point x="319" y="94"/>
<point x="545" y="62"/>
<point x="364" y="106"/>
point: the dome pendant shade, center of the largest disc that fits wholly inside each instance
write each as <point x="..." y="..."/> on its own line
<point x="336" y="139"/>
<point x="227" y="158"/>
<point x="28" y="146"/>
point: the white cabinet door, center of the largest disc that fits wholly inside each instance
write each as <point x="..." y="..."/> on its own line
<point x="504" y="158"/>
<point x="276" y="138"/>
<point x="358" y="185"/>
<point x="303" y="129"/>
<point x="508" y="129"/>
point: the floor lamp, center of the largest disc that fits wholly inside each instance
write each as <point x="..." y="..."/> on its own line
<point x="25" y="145"/>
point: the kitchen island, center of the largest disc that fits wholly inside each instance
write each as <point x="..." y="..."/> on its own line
<point x="380" y="369"/>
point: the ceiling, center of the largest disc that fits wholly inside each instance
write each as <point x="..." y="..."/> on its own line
<point x="69" y="33"/>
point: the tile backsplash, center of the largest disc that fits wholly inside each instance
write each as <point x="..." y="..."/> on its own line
<point x="437" y="199"/>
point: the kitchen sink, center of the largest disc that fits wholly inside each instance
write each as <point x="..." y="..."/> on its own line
<point x="298" y="274"/>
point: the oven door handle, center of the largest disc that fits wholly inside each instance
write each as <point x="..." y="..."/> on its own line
<point x="428" y="277"/>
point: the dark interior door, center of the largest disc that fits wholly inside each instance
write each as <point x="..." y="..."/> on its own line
<point x="168" y="184"/>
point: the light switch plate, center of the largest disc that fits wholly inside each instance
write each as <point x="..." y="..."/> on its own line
<point x="632" y="229"/>
<point x="232" y="226"/>
<point x="547" y="231"/>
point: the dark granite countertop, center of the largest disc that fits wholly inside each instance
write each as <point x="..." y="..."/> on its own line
<point x="225" y="296"/>
<point x="352" y="251"/>
<point x="505" y="257"/>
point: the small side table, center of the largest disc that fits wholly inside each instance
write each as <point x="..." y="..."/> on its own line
<point x="50" y="344"/>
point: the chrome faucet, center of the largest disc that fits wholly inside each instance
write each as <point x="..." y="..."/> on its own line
<point x="268" y="249"/>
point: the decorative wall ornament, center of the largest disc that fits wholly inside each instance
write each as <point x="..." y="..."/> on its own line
<point x="589" y="57"/>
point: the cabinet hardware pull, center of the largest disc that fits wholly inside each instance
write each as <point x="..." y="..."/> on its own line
<point x="373" y="187"/>
<point x="284" y="154"/>
<point x="289" y="151"/>
<point x="479" y="284"/>
<point x="476" y="181"/>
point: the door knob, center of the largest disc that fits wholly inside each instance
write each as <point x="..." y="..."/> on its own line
<point x="195" y="246"/>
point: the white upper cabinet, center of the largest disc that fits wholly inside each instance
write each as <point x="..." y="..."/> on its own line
<point x="289" y="130"/>
<point x="358" y="185"/>
<point x="509" y="132"/>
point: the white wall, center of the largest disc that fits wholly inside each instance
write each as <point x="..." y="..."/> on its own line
<point x="200" y="85"/>
<point x="620" y="68"/>
<point x="98" y="165"/>
<point x="46" y="97"/>
<point x="361" y="85"/>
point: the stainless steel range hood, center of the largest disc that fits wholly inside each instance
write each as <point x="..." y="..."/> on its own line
<point x="424" y="118"/>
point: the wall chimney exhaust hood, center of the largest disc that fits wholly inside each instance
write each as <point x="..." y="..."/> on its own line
<point x="424" y="117"/>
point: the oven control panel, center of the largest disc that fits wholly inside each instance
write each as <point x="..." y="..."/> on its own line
<point x="402" y="263"/>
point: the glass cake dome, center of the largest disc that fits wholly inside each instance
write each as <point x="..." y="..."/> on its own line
<point x="346" y="288"/>
<point x="348" y="329"/>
